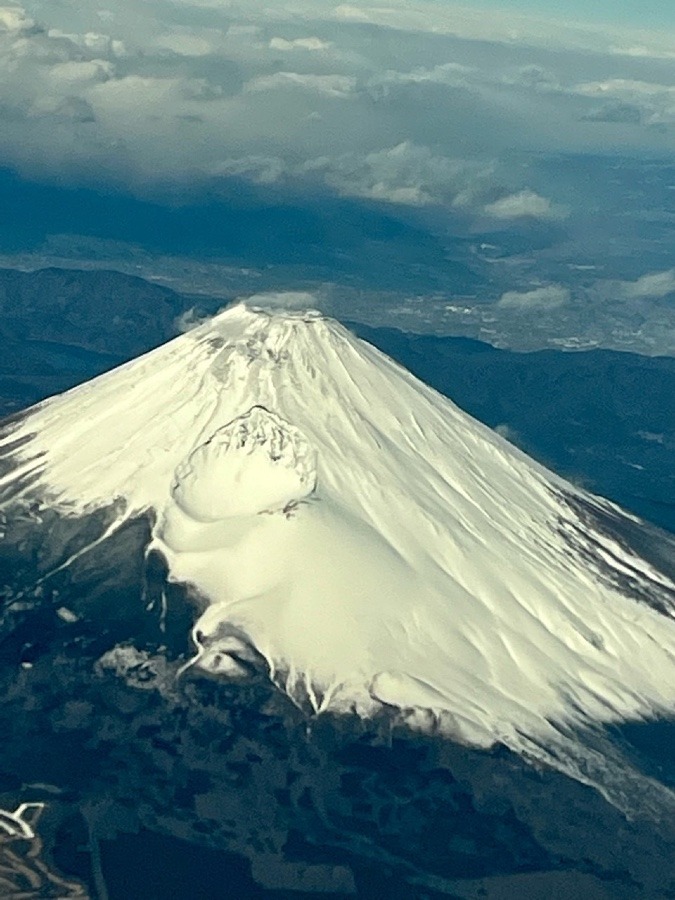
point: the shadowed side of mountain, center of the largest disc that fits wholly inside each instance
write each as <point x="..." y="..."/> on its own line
<point x="96" y="311"/>
<point x="60" y="327"/>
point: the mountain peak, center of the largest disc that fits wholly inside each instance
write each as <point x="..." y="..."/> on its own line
<point x="266" y="309"/>
<point x="274" y="322"/>
<point x="376" y="546"/>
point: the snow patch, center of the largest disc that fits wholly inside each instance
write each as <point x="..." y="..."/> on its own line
<point x="256" y="463"/>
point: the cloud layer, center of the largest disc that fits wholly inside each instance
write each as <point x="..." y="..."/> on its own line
<point x="167" y="96"/>
<point x="422" y="148"/>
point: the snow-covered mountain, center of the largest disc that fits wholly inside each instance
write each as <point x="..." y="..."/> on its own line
<point x="379" y="549"/>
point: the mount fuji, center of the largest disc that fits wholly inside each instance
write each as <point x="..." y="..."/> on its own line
<point x="373" y="544"/>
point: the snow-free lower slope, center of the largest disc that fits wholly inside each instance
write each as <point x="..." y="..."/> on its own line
<point x="373" y="542"/>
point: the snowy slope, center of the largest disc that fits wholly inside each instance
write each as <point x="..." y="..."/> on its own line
<point x="373" y="542"/>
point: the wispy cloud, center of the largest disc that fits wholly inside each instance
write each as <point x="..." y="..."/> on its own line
<point x="549" y="297"/>
<point x="406" y="174"/>
<point x="328" y="85"/>
<point x="525" y="204"/>
<point x="312" y="44"/>
<point x="656" y="285"/>
<point x="653" y="102"/>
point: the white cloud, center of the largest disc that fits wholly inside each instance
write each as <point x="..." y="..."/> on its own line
<point x="653" y="286"/>
<point x="14" y="18"/>
<point x="524" y="204"/>
<point x="508" y="433"/>
<point x="252" y="93"/>
<point x="616" y="111"/>
<point x="100" y="44"/>
<point x="642" y="52"/>
<point x="313" y="44"/>
<point x="186" y="44"/>
<point x="75" y="72"/>
<point x="506" y="25"/>
<point x="405" y="174"/>
<point x="328" y="85"/>
<point x="463" y="123"/>
<point x="297" y="300"/>
<point x="258" y="169"/>
<point x="533" y="76"/>
<point x="239" y="30"/>
<point x="653" y="101"/>
<point x="450" y="73"/>
<point x="549" y="297"/>
<point x="624" y="87"/>
<point x="452" y="17"/>
<point x="139" y="94"/>
<point x="351" y="13"/>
